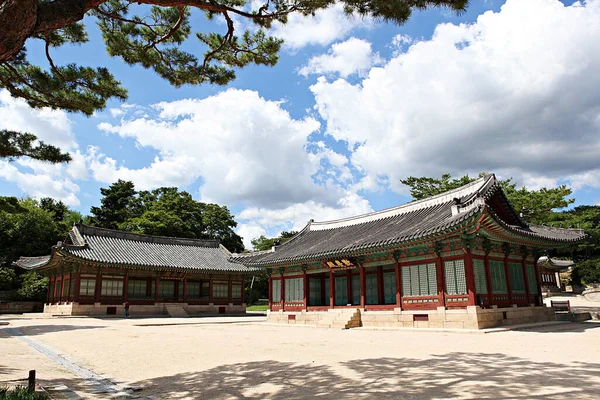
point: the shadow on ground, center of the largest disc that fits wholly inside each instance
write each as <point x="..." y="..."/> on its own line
<point x="574" y="327"/>
<point x="452" y="375"/>
<point x="36" y="330"/>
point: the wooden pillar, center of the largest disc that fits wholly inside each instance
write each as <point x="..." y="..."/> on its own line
<point x="270" y="293"/>
<point x="398" y="283"/>
<point x="526" y="278"/>
<point x="126" y="287"/>
<point x="98" y="288"/>
<point x="243" y="293"/>
<point x="349" y="285"/>
<point x="69" y="287"/>
<point x="185" y="294"/>
<point x="331" y="289"/>
<point x="281" y="271"/>
<point x="488" y="278"/>
<point x="470" y="277"/>
<point x="508" y="283"/>
<point x="363" y="286"/>
<point x="50" y="288"/>
<point x="380" y="299"/>
<point x="441" y="281"/>
<point x="536" y="270"/>
<point x="305" y="281"/>
<point x="210" y="290"/>
<point x="77" y="286"/>
<point x="156" y="288"/>
<point x="229" y="290"/>
<point x="62" y="283"/>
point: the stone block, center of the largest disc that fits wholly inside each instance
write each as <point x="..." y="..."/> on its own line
<point x="456" y="317"/>
<point x="441" y="310"/>
<point x="473" y="309"/>
<point x="436" y="324"/>
<point x="407" y="324"/>
<point x="454" y="324"/>
<point x="422" y="324"/>
<point x="405" y="318"/>
<point x="471" y="325"/>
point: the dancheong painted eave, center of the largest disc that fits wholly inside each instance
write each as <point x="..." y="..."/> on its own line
<point x="480" y="205"/>
<point x="117" y="248"/>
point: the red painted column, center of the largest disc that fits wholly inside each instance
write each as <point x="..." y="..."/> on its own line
<point x="508" y="283"/>
<point x="441" y="282"/>
<point x="537" y="279"/>
<point x="470" y="278"/>
<point x="488" y="278"/>
<point x="185" y="290"/>
<point x="526" y="279"/>
<point x="210" y="290"/>
<point x="98" y="288"/>
<point x="380" y="299"/>
<point x="243" y="293"/>
<point x="398" y="284"/>
<point x="229" y="291"/>
<point x="305" y="281"/>
<point x="50" y="287"/>
<point x="331" y="289"/>
<point x="270" y="293"/>
<point x="282" y="292"/>
<point x="363" y="286"/>
<point x="77" y="286"/>
<point x="69" y="288"/>
<point x="62" y="283"/>
<point x="156" y="288"/>
<point x="349" y="285"/>
<point x="126" y="287"/>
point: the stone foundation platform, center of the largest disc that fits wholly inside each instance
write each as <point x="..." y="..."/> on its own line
<point x="98" y="309"/>
<point x="472" y="317"/>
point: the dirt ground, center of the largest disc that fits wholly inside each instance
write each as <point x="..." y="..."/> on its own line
<point x="231" y="358"/>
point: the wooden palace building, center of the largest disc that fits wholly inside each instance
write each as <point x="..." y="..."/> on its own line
<point x="461" y="259"/>
<point x="95" y="271"/>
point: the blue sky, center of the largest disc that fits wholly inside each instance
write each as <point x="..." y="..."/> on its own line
<point x="353" y="106"/>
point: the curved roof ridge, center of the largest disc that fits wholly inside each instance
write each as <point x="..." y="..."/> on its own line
<point x="467" y="190"/>
<point x="140" y="237"/>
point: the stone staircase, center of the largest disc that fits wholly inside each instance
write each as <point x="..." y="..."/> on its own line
<point x="176" y="310"/>
<point x="344" y="318"/>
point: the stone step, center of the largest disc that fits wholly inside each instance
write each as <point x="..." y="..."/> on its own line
<point x="176" y="311"/>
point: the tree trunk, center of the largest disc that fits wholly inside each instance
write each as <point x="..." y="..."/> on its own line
<point x="17" y="19"/>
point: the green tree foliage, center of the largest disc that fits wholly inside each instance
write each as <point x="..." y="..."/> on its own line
<point x="536" y="206"/>
<point x="164" y="211"/>
<point x="33" y="286"/>
<point x="586" y="272"/>
<point x="150" y="33"/>
<point x="264" y="243"/>
<point x="8" y="278"/>
<point x="15" y="144"/>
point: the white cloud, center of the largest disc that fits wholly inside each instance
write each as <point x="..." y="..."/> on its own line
<point x="296" y="216"/>
<point x="35" y="178"/>
<point x="246" y="149"/>
<point x="325" y="27"/>
<point x="345" y="58"/>
<point x="515" y="93"/>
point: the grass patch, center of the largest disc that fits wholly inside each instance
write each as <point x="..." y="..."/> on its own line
<point x="21" y="393"/>
<point x="264" y="307"/>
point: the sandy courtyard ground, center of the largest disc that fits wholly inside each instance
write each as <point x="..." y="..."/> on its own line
<point x="207" y="358"/>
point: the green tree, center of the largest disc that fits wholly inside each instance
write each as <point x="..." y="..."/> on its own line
<point x="264" y="243"/>
<point x="586" y="272"/>
<point x="15" y="144"/>
<point x="150" y="33"/>
<point x="164" y="211"/>
<point x="8" y="278"/>
<point x="116" y="205"/>
<point x="536" y="206"/>
<point x="33" y="286"/>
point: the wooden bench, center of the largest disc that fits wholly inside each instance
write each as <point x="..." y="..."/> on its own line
<point x="560" y="305"/>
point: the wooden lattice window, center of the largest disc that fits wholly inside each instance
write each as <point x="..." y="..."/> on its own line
<point x="516" y="277"/>
<point x="112" y="287"/>
<point x="372" y="289"/>
<point x="533" y="288"/>
<point x="419" y="280"/>
<point x="87" y="287"/>
<point x="220" y="290"/>
<point x="389" y="287"/>
<point x="294" y="289"/>
<point x="480" y="278"/>
<point x="498" y="275"/>
<point x="136" y="288"/>
<point x="236" y="291"/>
<point x="355" y="289"/>
<point x="276" y="291"/>
<point x="341" y="290"/>
<point x="456" y="281"/>
<point x="314" y="290"/>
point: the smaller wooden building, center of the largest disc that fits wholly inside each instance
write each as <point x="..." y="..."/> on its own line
<point x="95" y="271"/>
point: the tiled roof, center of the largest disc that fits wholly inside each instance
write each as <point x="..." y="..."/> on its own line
<point x="124" y="248"/>
<point x="555" y="263"/>
<point x="409" y="222"/>
<point x="32" y="262"/>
